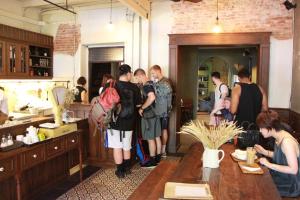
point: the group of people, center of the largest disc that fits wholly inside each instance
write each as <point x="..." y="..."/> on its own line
<point x="248" y="103"/>
<point x="140" y="100"/>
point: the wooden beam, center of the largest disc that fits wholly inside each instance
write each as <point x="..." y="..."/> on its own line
<point x="141" y="7"/>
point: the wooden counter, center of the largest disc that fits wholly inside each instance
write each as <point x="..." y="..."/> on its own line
<point x="226" y="182"/>
<point x="29" y="170"/>
<point x="97" y="154"/>
<point x="37" y="168"/>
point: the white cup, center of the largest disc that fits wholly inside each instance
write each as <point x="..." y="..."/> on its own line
<point x="20" y="138"/>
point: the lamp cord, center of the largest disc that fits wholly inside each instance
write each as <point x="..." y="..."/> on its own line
<point x="217" y="10"/>
<point x="110" y="18"/>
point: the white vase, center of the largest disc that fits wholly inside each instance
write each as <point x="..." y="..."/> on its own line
<point x="211" y="157"/>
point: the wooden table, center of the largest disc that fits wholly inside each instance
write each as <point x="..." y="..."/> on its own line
<point x="226" y="182"/>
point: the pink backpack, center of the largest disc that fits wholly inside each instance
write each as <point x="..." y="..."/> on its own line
<point x="102" y="107"/>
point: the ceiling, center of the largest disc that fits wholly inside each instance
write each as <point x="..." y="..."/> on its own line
<point x="71" y="3"/>
<point x="141" y="7"/>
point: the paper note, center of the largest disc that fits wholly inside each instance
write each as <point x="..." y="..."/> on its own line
<point x="186" y="191"/>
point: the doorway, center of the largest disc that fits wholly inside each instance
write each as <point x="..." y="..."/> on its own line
<point x="103" y="60"/>
<point x="177" y="69"/>
<point x="96" y="72"/>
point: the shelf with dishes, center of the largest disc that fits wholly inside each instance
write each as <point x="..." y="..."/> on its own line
<point x="40" y="62"/>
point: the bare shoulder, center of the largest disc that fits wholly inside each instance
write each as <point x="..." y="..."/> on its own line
<point x="236" y="89"/>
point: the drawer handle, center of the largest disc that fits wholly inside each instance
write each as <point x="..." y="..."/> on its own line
<point x="1" y="169"/>
<point x="55" y="148"/>
<point x="34" y="156"/>
<point x="73" y="141"/>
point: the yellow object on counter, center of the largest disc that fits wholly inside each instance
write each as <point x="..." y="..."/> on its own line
<point x="59" y="131"/>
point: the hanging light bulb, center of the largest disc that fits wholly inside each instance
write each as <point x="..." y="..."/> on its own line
<point x="217" y="28"/>
<point x="110" y="26"/>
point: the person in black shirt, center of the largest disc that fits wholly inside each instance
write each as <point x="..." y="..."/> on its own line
<point x="120" y="133"/>
<point x="150" y="123"/>
<point x="248" y="99"/>
<point x="81" y="93"/>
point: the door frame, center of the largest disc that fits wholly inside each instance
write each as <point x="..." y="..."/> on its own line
<point x="260" y="39"/>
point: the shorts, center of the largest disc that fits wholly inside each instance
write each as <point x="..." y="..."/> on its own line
<point x="164" y="123"/>
<point x="151" y="128"/>
<point x="117" y="139"/>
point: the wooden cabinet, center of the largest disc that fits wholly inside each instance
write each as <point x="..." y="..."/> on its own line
<point x="72" y="141"/>
<point x="55" y="147"/>
<point x="16" y="59"/>
<point x="33" y="157"/>
<point x="2" y="58"/>
<point x="29" y="170"/>
<point x="7" y="168"/>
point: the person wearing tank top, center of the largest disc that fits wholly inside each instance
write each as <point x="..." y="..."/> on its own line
<point x="284" y="161"/>
<point x="248" y="99"/>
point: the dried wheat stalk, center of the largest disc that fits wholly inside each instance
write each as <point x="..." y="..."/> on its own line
<point x="212" y="137"/>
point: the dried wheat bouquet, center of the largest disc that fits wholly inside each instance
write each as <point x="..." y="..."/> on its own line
<point x="211" y="137"/>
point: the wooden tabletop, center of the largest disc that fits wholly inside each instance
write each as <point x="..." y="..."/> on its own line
<point x="226" y="182"/>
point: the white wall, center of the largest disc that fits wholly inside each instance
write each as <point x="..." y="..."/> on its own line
<point x="280" y="75"/>
<point x="161" y="23"/>
<point x="94" y="32"/>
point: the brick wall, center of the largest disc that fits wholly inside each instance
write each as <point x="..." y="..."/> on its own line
<point x="235" y="16"/>
<point x="67" y="39"/>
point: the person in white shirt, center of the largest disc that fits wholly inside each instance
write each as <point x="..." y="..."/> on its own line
<point x="221" y="91"/>
<point x="3" y="106"/>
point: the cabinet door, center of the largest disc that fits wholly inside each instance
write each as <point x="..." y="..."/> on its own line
<point x="12" y="58"/>
<point x="17" y="59"/>
<point x="24" y="54"/>
<point x="2" y="58"/>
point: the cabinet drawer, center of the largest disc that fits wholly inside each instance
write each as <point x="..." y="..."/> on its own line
<point x="72" y="140"/>
<point x="55" y="147"/>
<point x="7" y="168"/>
<point x="33" y="157"/>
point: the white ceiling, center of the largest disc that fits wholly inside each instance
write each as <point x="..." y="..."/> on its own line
<point x="71" y="3"/>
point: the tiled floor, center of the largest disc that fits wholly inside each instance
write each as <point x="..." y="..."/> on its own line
<point x="64" y="186"/>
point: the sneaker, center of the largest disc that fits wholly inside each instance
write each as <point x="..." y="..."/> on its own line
<point x="120" y="174"/>
<point x="150" y="164"/>
<point x="164" y="155"/>
<point x="127" y="171"/>
<point x="157" y="158"/>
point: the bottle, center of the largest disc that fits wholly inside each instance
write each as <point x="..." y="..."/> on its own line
<point x="3" y="142"/>
<point x="9" y="140"/>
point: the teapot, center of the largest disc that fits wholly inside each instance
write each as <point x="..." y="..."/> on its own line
<point x="32" y="133"/>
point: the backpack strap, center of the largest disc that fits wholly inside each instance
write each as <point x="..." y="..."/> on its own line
<point x="220" y="89"/>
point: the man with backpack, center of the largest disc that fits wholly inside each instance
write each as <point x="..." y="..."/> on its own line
<point x="163" y="102"/>
<point x="119" y="134"/>
<point x="221" y="91"/>
<point x="150" y="122"/>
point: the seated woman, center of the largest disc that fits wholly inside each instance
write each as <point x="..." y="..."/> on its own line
<point x="81" y="94"/>
<point x="285" y="161"/>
